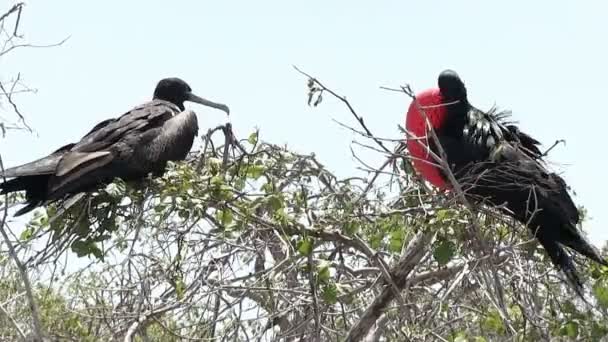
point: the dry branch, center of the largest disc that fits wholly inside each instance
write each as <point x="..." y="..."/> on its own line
<point x="400" y="272"/>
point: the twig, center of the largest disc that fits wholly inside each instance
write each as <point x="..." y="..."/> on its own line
<point x="557" y="142"/>
<point x="16" y="46"/>
<point x="13" y="323"/>
<point x="16" y="7"/>
<point x="350" y="107"/>
<point x="315" y="301"/>
<point x="37" y="325"/>
<point x="9" y="98"/>
<point x="410" y="258"/>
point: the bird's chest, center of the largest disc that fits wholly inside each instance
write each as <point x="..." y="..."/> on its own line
<point x="176" y="137"/>
<point x="170" y="141"/>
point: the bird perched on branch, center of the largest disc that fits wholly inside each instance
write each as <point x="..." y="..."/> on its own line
<point x="493" y="161"/>
<point x="129" y="147"/>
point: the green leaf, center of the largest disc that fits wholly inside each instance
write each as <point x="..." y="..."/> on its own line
<point x="444" y="252"/>
<point x="442" y="214"/>
<point x="570" y="329"/>
<point x="267" y="187"/>
<point x="396" y="240"/>
<point x="255" y="171"/>
<point x="27" y="233"/>
<point x="239" y="184"/>
<point x="305" y="246"/>
<point x="323" y="273"/>
<point x="180" y="289"/>
<point x="275" y="202"/>
<point x="601" y="293"/>
<point x="225" y="216"/>
<point x="281" y="216"/>
<point x="83" y="227"/>
<point x="598" y="331"/>
<point x="214" y="165"/>
<point x="480" y="339"/>
<point x="253" y="138"/>
<point x="109" y="224"/>
<point x="460" y="337"/>
<point x="493" y="322"/>
<point x="569" y="307"/>
<point x="351" y="227"/>
<point x="376" y="240"/>
<point x="330" y="293"/>
<point x="217" y="180"/>
<point x="83" y="248"/>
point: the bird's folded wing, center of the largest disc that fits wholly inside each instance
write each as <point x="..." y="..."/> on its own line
<point x="75" y="166"/>
<point x="106" y="133"/>
<point x="42" y="166"/>
<point x="74" y="160"/>
<point x="518" y="167"/>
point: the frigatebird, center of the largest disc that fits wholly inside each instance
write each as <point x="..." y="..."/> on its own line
<point x="496" y="163"/>
<point x="132" y="146"/>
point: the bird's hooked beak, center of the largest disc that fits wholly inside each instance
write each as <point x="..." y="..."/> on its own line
<point x="197" y="99"/>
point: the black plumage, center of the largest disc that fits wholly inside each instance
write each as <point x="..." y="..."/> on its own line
<point x="129" y="147"/>
<point x="497" y="163"/>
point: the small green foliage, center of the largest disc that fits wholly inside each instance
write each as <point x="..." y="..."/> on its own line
<point x="444" y="251"/>
<point x="275" y="202"/>
<point x="85" y="248"/>
<point x="225" y="216"/>
<point x="304" y="246"/>
<point x="330" y="293"/>
<point x="27" y="233"/>
<point x="351" y="227"/>
<point x="214" y="165"/>
<point x="255" y="171"/>
<point x="271" y="219"/>
<point x="600" y="290"/>
<point x="460" y="336"/>
<point x="493" y="322"/>
<point x="569" y="329"/>
<point x="323" y="273"/>
<point x="376" y="240"/>
<point x="396" y="240"/>
<point x="180" y="288"/>
<point x="253" y="138"/>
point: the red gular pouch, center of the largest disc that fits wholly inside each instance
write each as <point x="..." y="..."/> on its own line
<point x="430" y="101"/>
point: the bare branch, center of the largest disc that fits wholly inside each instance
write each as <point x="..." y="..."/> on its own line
<point x="33" y="306"/>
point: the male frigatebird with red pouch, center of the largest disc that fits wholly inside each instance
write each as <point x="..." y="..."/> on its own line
<point x="496" y="163"/>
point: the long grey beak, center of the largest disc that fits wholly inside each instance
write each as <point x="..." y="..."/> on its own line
<point x="193" y="98"/>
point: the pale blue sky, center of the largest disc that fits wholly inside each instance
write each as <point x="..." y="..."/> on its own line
<point x="545" y="60"/>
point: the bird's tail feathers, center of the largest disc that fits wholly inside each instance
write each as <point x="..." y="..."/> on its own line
<point x="42" y="166"/>
<point x="12" y="185"/>
<point x="560" y="258"/>
<point x="581" y="245"/>
<point x="29" y="207"/>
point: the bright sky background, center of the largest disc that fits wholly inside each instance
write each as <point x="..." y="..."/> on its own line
<point x="545" y="60"/>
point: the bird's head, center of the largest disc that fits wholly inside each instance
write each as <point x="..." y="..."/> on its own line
<point x="177" y="91"/>
<point x="451" y="86"/>
<point x="449" y="96"/>
<point x="442" y="106"/>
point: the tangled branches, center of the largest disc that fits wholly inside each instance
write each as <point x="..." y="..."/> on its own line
<point x="250" y="241"/>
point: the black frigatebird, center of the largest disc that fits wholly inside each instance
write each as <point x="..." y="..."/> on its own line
<point x="129" y="147"/>
<point x="496" y="162"/>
